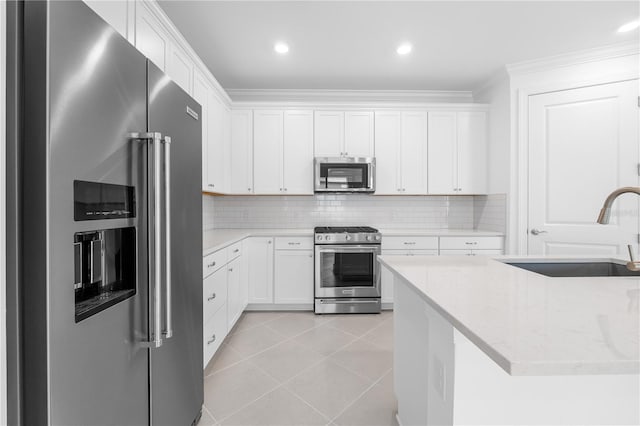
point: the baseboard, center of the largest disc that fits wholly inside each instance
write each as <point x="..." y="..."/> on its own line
<point x="279" y="307"/>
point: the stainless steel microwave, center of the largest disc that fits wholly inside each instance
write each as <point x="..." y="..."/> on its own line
<point x="344" y="174"/>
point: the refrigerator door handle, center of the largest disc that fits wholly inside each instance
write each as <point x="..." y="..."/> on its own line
<point x="168" y="331"/>
<point x="154" y="139"/>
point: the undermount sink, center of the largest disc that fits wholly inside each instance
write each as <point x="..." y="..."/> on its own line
<point x="576" y="269"/>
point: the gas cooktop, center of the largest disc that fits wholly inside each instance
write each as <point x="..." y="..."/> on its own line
<point x="344" y="229"/>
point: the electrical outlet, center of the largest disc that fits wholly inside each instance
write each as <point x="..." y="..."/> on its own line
<point x="438" y="380"/>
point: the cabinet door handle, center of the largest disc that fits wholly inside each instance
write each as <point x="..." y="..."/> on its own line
<point x="269" y="241"/>
<point x="213" y="339"/>
<point x="230" y="269"/>
<point x="211" y="185"/>
<point x="210" y="298"/>
<point x="236" y="250"/>
<point x="211" y="265"/>
<point x="248" y="189"/>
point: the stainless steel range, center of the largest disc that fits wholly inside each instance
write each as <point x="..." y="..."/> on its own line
<point x="347" y="274"/>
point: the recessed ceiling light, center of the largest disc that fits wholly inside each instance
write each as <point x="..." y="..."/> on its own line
<point x="404" y="49"/>
<point x="281" y="48"/>
<point x="629" y="26"/>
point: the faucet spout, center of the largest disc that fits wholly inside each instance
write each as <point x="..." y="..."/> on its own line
<point x="605" y="212"/>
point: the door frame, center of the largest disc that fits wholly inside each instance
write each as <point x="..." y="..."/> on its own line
<point x="618" y="63"/>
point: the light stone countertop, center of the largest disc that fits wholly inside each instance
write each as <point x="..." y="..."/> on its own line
<point x="215" y="239"/>
<point x="530" y="324"/>
<point x="440" y="233"/>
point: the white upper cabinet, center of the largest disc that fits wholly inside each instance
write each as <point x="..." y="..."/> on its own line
<point x="116" y="13"/>
<point x="180" y="68"/>
<point x="297" y="150"/>
<point x="216" y="149"/>
<point x="388" y="137"/>
<point x="342" y="134"/>
<point x="241" y="152"/>
<point x="328" y="133"/>
<point x="401" y="147"/>
<point x="201" y="93"/>
<point x="267" y="151"/>
<point x="151" y="39"/>
<point x="358" y="134"/>
<point x="413" y="153"/>
<point x="283" y="152"/>
<point x="457" y="160"/>
<point x="472" y="153"/>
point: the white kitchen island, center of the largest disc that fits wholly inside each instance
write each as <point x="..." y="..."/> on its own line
<point x="481" y="342"/>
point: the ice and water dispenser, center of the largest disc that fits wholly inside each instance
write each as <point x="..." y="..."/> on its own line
<point x="104" y="259"/>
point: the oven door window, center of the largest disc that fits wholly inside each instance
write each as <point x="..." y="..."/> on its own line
<point x="347" y="270"/>
<point x="344" y="176"/>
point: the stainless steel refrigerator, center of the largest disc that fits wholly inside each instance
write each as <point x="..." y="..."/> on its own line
<point x="111" y="281"/>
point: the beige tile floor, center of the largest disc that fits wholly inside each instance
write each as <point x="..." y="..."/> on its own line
<point x="299" y="369"/>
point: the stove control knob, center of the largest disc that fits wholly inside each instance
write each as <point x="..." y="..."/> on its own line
<point x="347" y="237"/>
<point x="319" y="237"/>
<point x="377" y="237"/>
<point x="368" y="237"/>
<point x="328" y="237"/>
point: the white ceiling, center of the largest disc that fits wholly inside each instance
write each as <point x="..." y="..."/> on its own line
<point x="457" y="45"/>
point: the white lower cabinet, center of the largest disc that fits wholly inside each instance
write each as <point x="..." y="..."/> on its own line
<point x="411" y="245"/>
<point x="235" y="299"/>
<point x="259" y="251"/>
<point x="214" y="332"/>
<point x="386" y="277"/>
<point x="293" y="276"/>
<point x="280" y="272"/>
<point x="223" y="296"/>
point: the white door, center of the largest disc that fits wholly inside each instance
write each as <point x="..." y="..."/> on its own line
<point x="267" y="154"/>
<point x="297" y="171"/>
<point x="442" y="159"/>
<point x="328" y="133"/>
<point x="583" y="144"/>
<point x="259" y="252"/>
<point x="293" y="276"/>
<point x="242" y="152"/>
<point x="472" y="152"/>
<point x="414" y="153"/>
<point x="358" y="134"/>
<point x="388" y="137"/>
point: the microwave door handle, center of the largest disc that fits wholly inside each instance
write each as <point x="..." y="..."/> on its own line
<point x="154" y="233"/>
<point x="168" y="331"/>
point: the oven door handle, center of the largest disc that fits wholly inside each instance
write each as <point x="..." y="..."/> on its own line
<point x="348" y="249"/>
<point x="344" y="302"/>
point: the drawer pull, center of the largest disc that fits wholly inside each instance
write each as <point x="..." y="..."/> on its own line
<point x="236" y="250"/>
<point x="213" y="296"/>
<point x="211" y="265"/>
<point x="230" y="269"/>
<point x="293" y="244"/>
<point x="409" y="243"/>
<point x="213" y="339"/>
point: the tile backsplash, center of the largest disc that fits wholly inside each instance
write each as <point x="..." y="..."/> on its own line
<point x="490" y="212"/>
<point x="398" y="212"/>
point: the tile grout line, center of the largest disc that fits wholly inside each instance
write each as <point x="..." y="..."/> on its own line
<point x="361" y="395"/>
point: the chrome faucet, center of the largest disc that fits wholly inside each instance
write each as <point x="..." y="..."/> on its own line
<point x="605" y="215"/>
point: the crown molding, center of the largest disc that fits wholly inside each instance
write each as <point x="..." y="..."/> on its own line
<point x="153" y="7"/>
<point x="349" y="96"/>
<point x="574" y="58"/>
<point x="500" y="76"/>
